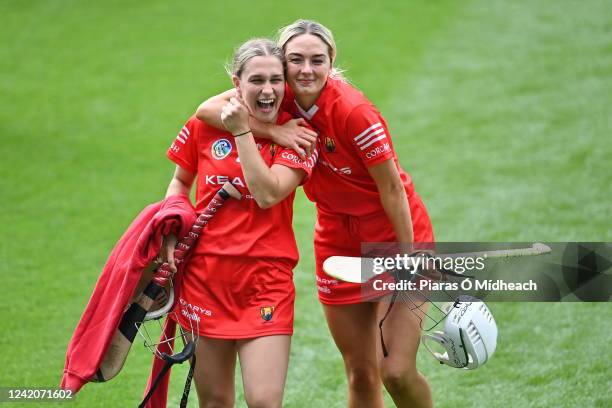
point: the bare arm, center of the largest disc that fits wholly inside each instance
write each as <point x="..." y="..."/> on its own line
<point x="209" y="111"/>
<point x="393" y="199"/>
<point x="180" y="184"/>
<point x="268" y="185"/>
<point x="294" y="134"/>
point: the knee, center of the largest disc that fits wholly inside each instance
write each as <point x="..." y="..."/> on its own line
<point x="265" y="397"/>
<point x="400" y="379"/>
<point x="363" y="378"/>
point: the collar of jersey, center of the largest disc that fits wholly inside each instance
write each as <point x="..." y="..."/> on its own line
<point x="309" y="114"/>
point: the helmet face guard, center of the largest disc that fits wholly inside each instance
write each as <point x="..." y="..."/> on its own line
<point x="469" y="337"/>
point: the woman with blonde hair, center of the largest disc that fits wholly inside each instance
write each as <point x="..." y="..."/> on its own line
<point x="239" y="280"/>
<point x="362" y="195"/>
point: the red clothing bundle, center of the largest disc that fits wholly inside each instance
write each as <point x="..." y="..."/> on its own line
<point x="115" y="287"/>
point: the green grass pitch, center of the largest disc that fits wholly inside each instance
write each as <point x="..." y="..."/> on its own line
<point x="501" y="111"/>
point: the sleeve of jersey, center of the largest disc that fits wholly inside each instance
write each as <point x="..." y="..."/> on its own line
<point x="288" y="158"/>
<point x="183" y="149"/>
<point x="369" y="135"/>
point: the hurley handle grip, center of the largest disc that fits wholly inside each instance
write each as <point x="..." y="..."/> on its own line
<point x="164" y="272"/>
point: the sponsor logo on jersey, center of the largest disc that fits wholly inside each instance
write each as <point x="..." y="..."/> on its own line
<point x="378" y="150"/>
<point x="193" y="312"/>
<point x="326" y="281"/>
<point x="324" y="289"/>
<point x="370" y="136"/>
<point x="323" y="284"/>
<point x="308" y="163"/>
<point x="330" y="144"/>
<point x="220" y="180"/>
<point x="221" y="149"/>
<point x="266" y="312"/>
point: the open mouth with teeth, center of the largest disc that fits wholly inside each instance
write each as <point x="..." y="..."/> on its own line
<point x="265" y="105"/>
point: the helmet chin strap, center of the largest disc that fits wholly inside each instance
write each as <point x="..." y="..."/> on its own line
<point x="380" y="325"/>
<point x="467" y="358"/>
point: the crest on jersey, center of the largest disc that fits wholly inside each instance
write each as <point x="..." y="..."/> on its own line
<point x="266" y="312"/>
<point x="330" y="145"/>
<point x="221" y="149"/>
<point x="273" y="149"/>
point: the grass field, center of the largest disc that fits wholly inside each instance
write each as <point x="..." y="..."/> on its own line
<point x="499" y="110"/>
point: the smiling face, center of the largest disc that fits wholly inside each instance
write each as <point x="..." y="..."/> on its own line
<point x="262" y="86"/>
<point x="308" y="66"/>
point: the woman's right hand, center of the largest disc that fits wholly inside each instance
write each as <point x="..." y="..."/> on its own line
<point x="235" y="116"/>
<point x="295" y="135"/>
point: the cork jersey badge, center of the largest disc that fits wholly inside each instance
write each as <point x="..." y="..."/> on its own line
<point x="221" y="149"/>
<point x="266" y="312"/>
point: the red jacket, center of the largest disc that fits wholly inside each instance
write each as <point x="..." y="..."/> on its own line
<point x="115" y="287"/>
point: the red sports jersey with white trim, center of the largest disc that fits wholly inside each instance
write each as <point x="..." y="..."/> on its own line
<point x="242" y="228"/>
<point x="352" y="137"/>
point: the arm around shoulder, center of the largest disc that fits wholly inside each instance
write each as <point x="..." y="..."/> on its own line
<point x="209" y="111"/>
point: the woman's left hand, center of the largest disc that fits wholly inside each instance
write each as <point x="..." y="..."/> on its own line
<point x="167" y="251"/>
<point x="235" y="116"/>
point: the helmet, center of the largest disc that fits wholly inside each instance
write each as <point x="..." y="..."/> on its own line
<point x="469" y="336"/>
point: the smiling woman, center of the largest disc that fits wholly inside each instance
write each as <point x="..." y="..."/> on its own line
<point x="241" y="275"/>
<point x="309" y="61"/>
<point x="262" y="87"/>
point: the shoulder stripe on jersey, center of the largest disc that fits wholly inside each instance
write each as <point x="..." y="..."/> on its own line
<point x="367" y="131"/>
<point x="370" y="135"/>
<point x="373" y="141"/>
<point x="183" y="135"/>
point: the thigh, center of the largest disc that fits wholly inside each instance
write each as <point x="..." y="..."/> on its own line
<point x="264" y="362"/>
<point x="214" y="371"/>
<point x="354" y="330"/>
<point x="402" y="335"/>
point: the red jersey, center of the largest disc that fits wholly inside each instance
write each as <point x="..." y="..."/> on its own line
<point x="352" y="137"/>
<point x="242" y="227"/>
